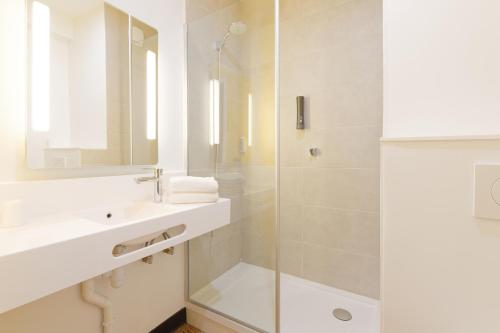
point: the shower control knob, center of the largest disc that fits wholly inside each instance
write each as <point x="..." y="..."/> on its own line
<point x="315" y="152"/>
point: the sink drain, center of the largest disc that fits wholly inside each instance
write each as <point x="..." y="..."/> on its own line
<point x="342" y="314"/>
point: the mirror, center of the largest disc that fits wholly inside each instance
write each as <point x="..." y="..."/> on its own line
<point x="93" y="86"/>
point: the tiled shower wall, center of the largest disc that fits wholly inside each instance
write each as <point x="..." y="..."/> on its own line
<point x="331" y="52"/>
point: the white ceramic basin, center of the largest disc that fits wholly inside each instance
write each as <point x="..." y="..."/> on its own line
<point x="82" y="242"/>
<point x="125" y="212"/>
<point x="129" y="212"/>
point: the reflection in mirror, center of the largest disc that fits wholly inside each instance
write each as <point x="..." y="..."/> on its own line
<point x="144" y="93"/>
<point x="80" y="106"/>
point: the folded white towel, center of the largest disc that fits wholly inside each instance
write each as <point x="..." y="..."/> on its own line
<point x="193" y="185"/>
<point x="186" y="198"/>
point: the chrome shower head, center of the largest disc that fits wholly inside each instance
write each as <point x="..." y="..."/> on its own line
<point x="234" y="29"/>
<point x="237" y="28"/>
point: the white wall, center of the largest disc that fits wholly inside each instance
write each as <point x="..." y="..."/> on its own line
<point x="442" y="73"/>
<point x="152" y="293"/>
<point x="440" y="265"/>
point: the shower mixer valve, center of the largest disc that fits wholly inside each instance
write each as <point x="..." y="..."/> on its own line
<point x="314" y="152"/>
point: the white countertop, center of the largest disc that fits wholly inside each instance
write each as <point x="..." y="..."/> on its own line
<point x="54" y="252"/>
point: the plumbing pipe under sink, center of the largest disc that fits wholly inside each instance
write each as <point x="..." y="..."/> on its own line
<point x="90" y="296"/>
<point x="117" y="277"/>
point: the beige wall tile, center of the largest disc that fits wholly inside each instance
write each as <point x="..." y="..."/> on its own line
<point x="331" y="53"/>
<point x="291" y="257"/>
<point x="259" y="250"/>
<point x="327" y="227"/>
<point x="227" y="254"/>
<point x="355" y="273"/>
<point x="351" y="231"/>
<point x="291" y="190"/>
<point x="213" y="254"/>
<point x="342" y="147"/>
<point x="356" y="189"/>
<point x="291" y="219"/>
<point x="332" y="267"/>
<point x="369" y="285"/>
<point x="261" y="223"/>
<point x="348" y="104"/>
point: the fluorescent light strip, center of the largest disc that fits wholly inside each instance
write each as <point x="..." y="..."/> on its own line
<point x="40" y="67"/>
<point x="217" y="112"/>
<point x="214" y="122"/>
<point x="211" y="115"/>
<point x="250" y="120"/>
<point x="151" y="91"/>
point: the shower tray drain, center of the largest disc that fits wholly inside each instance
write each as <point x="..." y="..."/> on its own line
<point x="342" y="314"/>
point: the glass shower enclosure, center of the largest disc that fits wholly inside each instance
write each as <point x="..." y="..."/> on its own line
<point x="301" y="253"/>
<point x="231" y="126"/>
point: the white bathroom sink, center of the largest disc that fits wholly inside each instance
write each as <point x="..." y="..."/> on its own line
<point x="83" y="242"/>
<point x="129" y="212"/>
<point x="125" y="212"/>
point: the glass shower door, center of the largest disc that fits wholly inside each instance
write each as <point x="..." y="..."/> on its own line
<point x="231" y="126"/>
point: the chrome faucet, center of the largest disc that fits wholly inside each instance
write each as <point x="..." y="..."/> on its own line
<point x="157" y="182"/>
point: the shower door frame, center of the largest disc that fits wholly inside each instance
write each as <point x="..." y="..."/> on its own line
<point x="277" y="162"/>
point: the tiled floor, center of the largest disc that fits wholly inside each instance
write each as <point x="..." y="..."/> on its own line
<point x="246" y="293"/>
<point x="187" y="329"/>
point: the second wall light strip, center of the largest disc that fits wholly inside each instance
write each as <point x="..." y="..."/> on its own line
<point x="214" y="121"/>
<point x="250" y="120"/>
